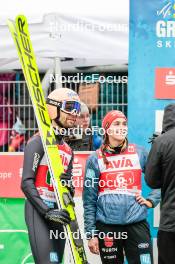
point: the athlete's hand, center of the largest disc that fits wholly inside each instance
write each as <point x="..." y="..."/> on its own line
<point x="60" y="216"/>
<point x="93" y="245"/>
<point x="143" y="201"/>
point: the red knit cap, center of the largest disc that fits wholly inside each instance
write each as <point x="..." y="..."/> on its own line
<point x="110" y="117"/>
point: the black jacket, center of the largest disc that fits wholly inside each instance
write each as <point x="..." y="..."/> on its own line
<point x="83" y="144"/>
<point x="160" y="169"/>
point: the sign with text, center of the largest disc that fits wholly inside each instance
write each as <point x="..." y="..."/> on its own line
<point x="165" y="83"/>
<point x="11" y="174"/>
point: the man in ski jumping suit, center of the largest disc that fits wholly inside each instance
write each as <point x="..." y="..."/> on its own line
<point x="160" y="173"/>
<point x="114" y="211"/>
<point x="43" y="218"/>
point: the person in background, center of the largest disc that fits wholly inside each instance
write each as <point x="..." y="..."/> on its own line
<point x="84" y="140"/>
<point x="7" y="112"/>
<point x="115" y="212"/>
<point x="6" y="119"/>
<point x="160" y="173"/>
<point x="17" y="139"/>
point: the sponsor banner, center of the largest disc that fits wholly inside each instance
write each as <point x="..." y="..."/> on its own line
<point x="151" y="65"/>
<point x="79" y="170"/>
<point x="11" y="173"/>
<point x="151" y="76"/>
<point x="14" y="241"/>
<point x="165" y="83"/>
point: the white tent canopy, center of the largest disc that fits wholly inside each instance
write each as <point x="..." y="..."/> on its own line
<point x="89" y="39"/>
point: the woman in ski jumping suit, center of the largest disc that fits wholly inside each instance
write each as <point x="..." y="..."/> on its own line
<point x="114" y="211"/>
<point x="43" y="218"/>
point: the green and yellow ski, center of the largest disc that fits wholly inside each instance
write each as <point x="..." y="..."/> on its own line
<point x="21" y="36"/>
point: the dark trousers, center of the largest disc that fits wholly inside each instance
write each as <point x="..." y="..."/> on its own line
<point x="46" y="246"/>
<point x="133" y="240"/>
<point x="166" y="247"/>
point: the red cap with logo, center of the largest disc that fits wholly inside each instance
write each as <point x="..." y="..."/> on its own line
<point x="110" y="117"/>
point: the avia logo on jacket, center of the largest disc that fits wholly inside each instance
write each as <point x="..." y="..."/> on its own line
<point x="120" y="163"/>
<point x="122" y="174"/>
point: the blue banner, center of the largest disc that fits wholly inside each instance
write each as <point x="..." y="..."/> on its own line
<point x="152" y="47"/>
<point x="151" y="70"/>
